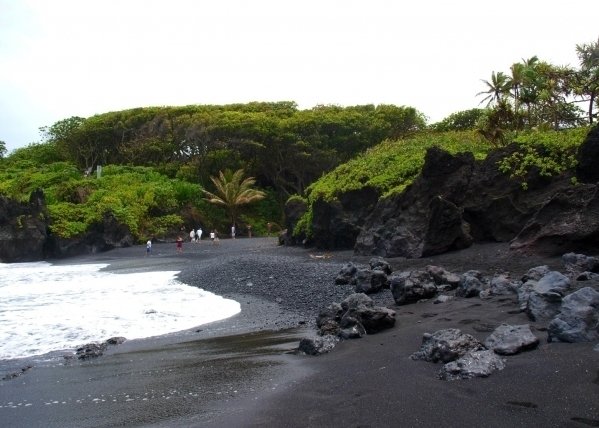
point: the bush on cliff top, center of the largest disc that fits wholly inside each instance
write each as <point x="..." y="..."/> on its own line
<point x="550" y="152"/>
<point x="393" y="165"/>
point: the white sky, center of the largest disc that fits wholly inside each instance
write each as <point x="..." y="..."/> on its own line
<point x="64" y="58"/>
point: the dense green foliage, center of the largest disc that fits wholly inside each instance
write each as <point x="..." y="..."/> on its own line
<point x="388" y="167"/>
<point x="550" y="153"/>
<point x="283" y="147"/>
<point x="158" y="161"/>
<point x="459" y="121"/>
<point x="172" y="153"/>
<point x="146" y="201"/>
<point x="393" y="165"/>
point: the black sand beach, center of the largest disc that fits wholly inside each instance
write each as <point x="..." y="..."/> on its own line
<point x="240" y="371"/>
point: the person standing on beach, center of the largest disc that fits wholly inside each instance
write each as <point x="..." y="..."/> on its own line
<point x="249" y="230"/>
<point x="179" y="244"/>
<point x="199" y="234"/>
<point x="192" y="235"/>
<point x="233" y="231"/>
<point x="148" y="247"/>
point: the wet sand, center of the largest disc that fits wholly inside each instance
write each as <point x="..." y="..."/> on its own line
<point x="240" y="372"/>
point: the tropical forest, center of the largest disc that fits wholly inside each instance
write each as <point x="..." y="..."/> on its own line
<point x="160" y="169"/>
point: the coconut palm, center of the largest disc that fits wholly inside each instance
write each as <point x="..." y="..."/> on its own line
<point x="233" y="191"/>
<point x="496" y="88"/>
<point x="588" y="84"/>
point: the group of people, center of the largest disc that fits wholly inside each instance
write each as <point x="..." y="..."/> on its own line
<point x="195" y="235"/>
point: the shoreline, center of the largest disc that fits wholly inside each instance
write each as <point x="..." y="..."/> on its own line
<point x="245" y="354"/>
<point x="239" y="371"/>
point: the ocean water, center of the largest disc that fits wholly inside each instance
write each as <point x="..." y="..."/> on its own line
<point x="45" y="307"/>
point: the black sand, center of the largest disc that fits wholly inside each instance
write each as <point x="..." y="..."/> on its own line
<point x="238" y="372"/>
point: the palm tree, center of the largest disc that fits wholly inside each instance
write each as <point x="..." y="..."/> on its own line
<point x="232" y="191"/>
<point x="588" y="54"/>
<point x="496" y="88"/>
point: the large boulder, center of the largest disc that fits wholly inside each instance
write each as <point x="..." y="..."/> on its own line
<point x="354" y="317"/>
<point x="578" y="319"/>
<point x="511" y="339"/>
<point x="473" y="364"/>
<point x="446" y="345"/>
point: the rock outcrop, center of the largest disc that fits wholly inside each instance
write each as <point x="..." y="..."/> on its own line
<point x="25" y="234"/>
<point x="457" y="200"/>
<point x="23" y="229"/>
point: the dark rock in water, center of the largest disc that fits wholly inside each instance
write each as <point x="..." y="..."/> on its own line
<point x="90" y="350"/>
<point x="473" y="364"/>
<point x="446" y="345"/>
<point x="511" y="339"/>
<point x="16" y="374"/>
<point x="117" y="340"/>
<point x="96" y="349"/>
<point x="318" y="345"/>
<point x="578" y="319"/>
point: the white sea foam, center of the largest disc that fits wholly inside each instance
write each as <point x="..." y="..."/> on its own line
<point x="46" y="307"/>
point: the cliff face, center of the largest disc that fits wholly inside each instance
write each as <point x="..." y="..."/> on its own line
<point x="23" y="229"/>
<point x="457" y="201"/>
<point x="25" y="236"/>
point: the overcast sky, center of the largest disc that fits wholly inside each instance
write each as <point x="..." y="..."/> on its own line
<point x="64" y="58"/>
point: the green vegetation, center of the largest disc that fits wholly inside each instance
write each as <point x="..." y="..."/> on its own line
<point x="143" y="199"/>
<point x="550" y="153"/>
<point x="233" y="191"/>
<point x="159" y="162"/>
<point x="388" y="167"/>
